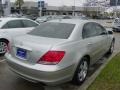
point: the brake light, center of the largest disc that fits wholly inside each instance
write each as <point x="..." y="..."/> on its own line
<point x="51" y="57"/>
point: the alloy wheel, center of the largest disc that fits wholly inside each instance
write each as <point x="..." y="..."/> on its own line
<point x="83" y="69"/>
<point x="3" y="47"/>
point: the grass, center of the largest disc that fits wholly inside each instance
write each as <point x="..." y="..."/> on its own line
<point x="109" y="78"/>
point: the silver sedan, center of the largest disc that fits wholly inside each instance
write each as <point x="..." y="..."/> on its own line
<point x="59" y="51"/>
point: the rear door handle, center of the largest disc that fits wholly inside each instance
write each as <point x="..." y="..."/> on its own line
<point x="90" y="44"/>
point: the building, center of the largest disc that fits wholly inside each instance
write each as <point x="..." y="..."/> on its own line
<point x="61" y="10"/>
<point x="1" y="10"/>
<point x="114" y="2"/>
<point x="104" y="3"/>
<point x="4" y="7"/>
<point x="96" y="7"/>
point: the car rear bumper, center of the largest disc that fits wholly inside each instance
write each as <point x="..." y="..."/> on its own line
<point x="38" y="73"/>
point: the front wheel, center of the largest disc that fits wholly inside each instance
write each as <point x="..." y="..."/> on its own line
<point x="81" y="72"/>
<point x="3" y="47"/>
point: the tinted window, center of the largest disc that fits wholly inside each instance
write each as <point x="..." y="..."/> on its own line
<point x="53" y="30"/>
<point x="5" y="26"/>
<point x="13" y="24"/>
<point x="99" y="29"/>
<point x="28" y="23"/>
<point x="93" y="29"/>
<point x="89" y="30"/>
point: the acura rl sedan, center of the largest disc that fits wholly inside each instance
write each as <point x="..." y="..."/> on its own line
<point x="59" y="51"/>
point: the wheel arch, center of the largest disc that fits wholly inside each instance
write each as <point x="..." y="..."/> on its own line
<point x="74" y="75"/>
<point x="4" y="39"/>
<point x="88" y="58"/>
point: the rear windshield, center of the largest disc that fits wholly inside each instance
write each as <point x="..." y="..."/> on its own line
<point x="53" y="30"/>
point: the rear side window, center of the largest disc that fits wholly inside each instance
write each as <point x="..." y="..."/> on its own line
<point x="28" y="23"/>
<point x="13" y="24"/>
<point x="89" y="30"/>
<point x="100" y="30"/>
<point x="53" y="30"/>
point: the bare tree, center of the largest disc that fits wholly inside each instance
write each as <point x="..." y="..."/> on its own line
<point x="19" y="3"/>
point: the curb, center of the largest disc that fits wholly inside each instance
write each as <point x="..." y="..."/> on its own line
<point x="91" y="79"/>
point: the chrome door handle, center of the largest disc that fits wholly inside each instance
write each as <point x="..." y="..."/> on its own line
<point x="90" y="44"/>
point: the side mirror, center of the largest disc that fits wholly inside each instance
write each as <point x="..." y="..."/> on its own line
<point x="110" y="32"/>
<point x="103" y="33"/>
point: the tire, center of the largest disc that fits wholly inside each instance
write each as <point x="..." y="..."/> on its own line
<point x="111" y="49"/>
<point x="81" y="72"/>
<point x="113" y="30"/>
<point x="3" y="47"/>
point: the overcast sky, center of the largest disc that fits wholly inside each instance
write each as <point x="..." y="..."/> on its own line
<point x="61" y="2"/>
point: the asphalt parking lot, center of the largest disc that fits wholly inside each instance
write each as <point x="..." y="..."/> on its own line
<point x="10" y="81"/>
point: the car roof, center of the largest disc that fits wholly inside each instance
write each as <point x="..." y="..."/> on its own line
<point x="10" y="18"/>
<point x="6" y="19"/>
<point x="72" y="21"/>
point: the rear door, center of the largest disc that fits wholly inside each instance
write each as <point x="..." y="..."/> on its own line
<point x="94" y="42"/>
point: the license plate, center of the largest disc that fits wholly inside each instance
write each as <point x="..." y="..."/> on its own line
<point x="21" y="53"/>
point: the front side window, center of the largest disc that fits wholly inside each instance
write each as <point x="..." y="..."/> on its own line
<point x="13" y="24"/>
<point x="28" y="23"/>
<point x="53" y="30"/>
<point x="100" y="30"/>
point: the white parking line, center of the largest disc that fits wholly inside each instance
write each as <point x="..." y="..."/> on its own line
<point x="2" y="60"/>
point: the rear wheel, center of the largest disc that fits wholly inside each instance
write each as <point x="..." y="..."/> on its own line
<point x="3" y="47"/>
<point x="81" y="72"/>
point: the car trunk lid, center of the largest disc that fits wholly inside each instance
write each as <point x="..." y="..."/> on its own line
<point x="30" y="49"/>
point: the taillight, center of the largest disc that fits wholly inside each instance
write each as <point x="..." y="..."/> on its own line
<point x="51" y="57"/>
